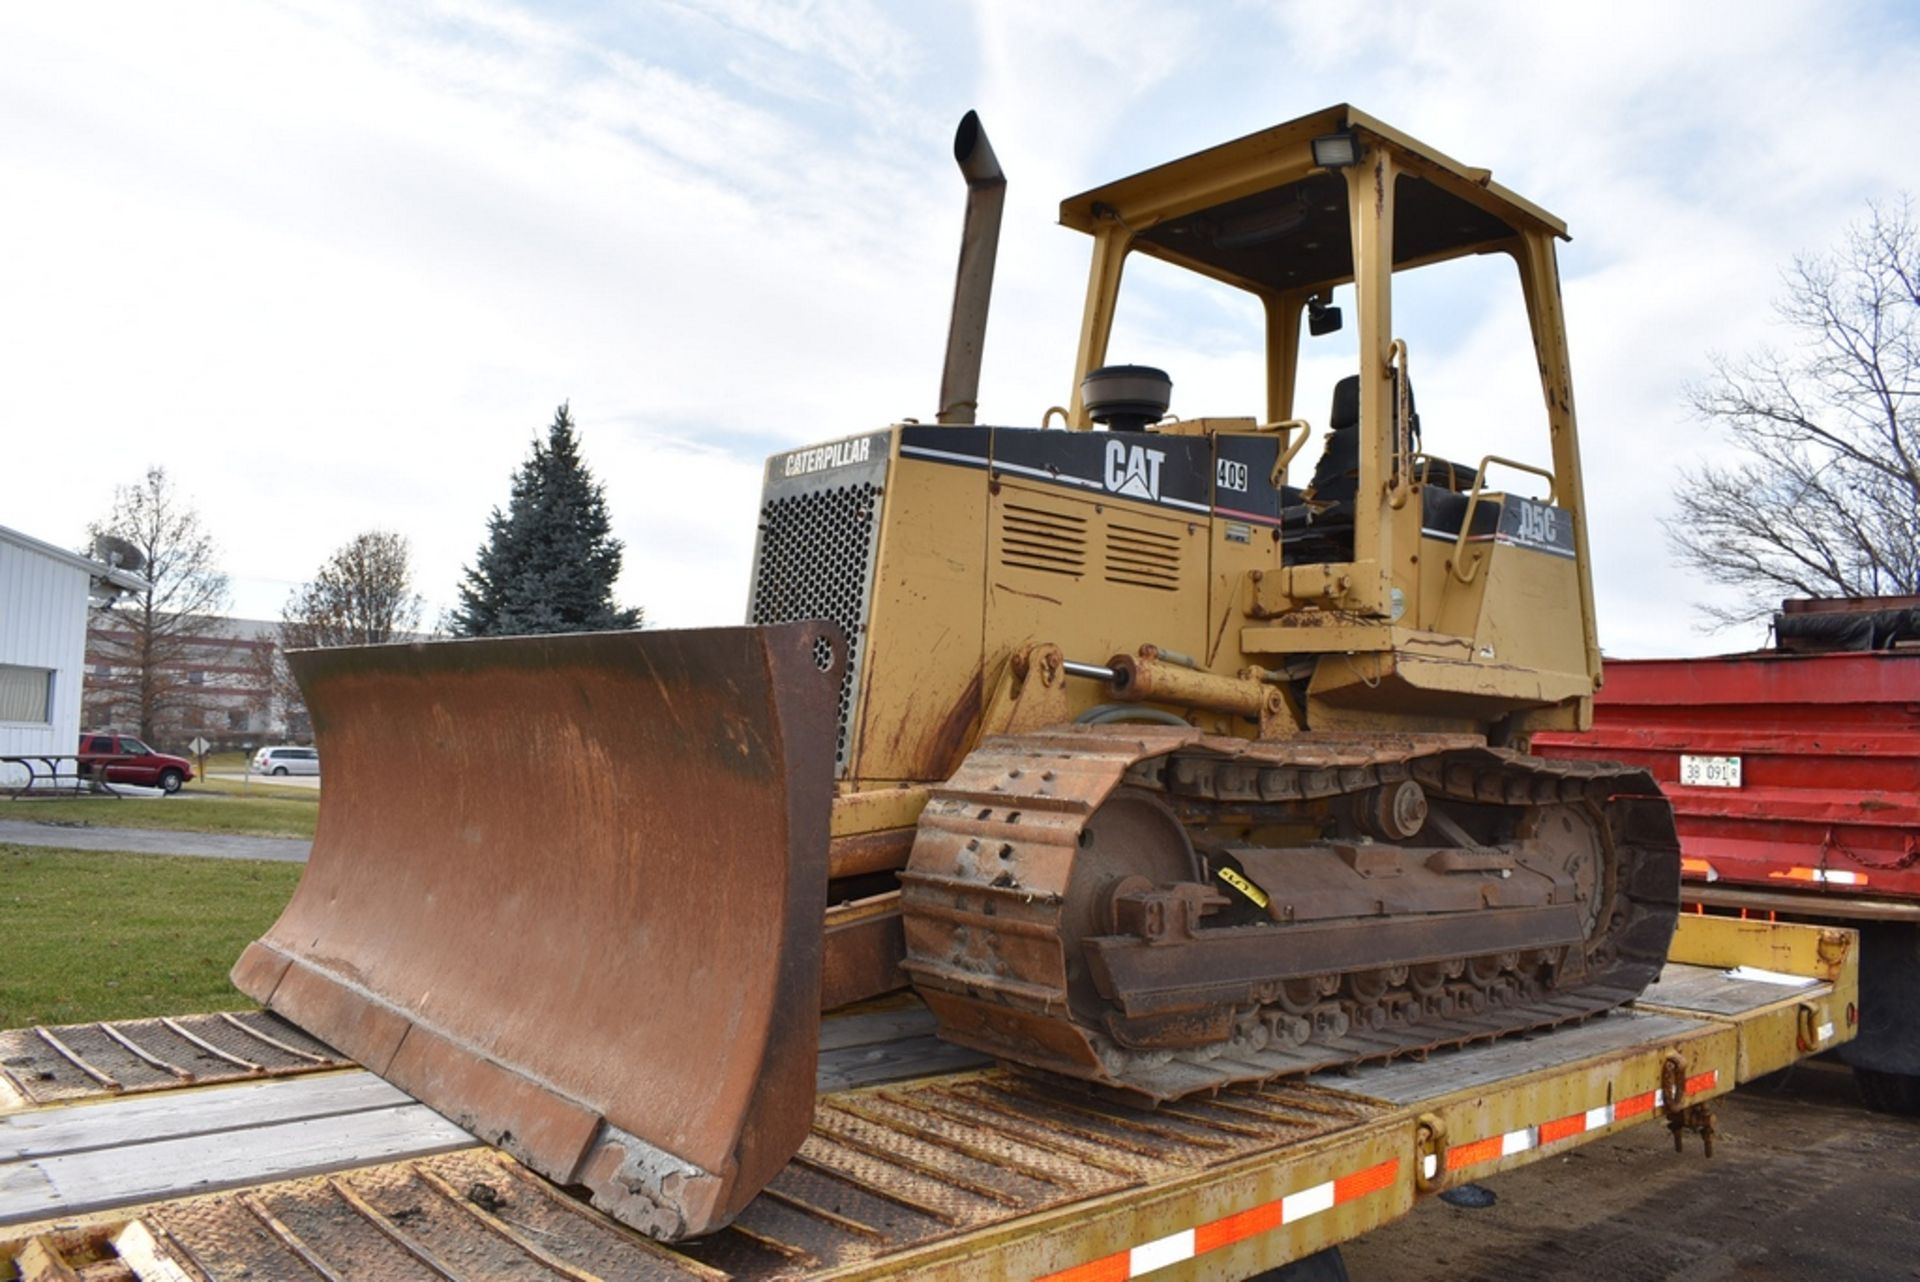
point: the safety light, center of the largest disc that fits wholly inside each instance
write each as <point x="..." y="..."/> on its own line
<point x="1336" y="151"/>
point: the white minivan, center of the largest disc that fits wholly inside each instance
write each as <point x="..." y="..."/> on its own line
<point x="286" y="761"/>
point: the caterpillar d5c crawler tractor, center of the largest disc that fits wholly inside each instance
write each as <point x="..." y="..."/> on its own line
<point x="1143" y="765"/>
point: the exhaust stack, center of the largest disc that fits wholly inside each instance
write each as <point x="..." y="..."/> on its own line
<point x="973" y="283"/>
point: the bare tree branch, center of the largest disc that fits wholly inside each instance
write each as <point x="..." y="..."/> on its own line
<point x="1828" y="503"/>
<point x="148" y="640"/>
<point x="362" y="595"/>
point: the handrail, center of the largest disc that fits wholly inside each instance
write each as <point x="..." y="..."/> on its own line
<point x="1423" y="467"/>
<point x="1291" y="448"/>
<point x="1544" y="474"/>
<point x="1473" y="506"/>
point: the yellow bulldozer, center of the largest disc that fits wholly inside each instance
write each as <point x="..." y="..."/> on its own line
<point x="1148" y="754"/>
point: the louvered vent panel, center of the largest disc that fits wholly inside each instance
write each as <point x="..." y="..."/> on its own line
<point x="1033" y="538"/>
<point x="1143" y="558"/>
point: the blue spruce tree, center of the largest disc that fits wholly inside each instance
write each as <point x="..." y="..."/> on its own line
<point x="550" y="560"/>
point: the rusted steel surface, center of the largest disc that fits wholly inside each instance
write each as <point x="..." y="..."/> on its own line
<point x="1828" y="802"/>
<point x="862" y="950"/>
<point x="568" y="891"/>
<point x="1113" y="903"/>
<point x="869" y="852"/>
<point x="880" y="1172"/>
<point x="72" y="1061"/>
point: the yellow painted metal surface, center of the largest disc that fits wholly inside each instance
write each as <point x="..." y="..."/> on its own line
<point x="1278" y="155"/>
<point x="1095" y="613"/>
<point x="1803" y="1021"/>
<point x="922" y="688"/>
<point x="977" y="564"/>
<point x="877" y="809"/>
<point x="1516" y="1122"/>
<point x="1789" y="1031"/>
<point x="1523" y="618"/>
<point x="1238" y="1206"/>
<point x="1828" y="952"/>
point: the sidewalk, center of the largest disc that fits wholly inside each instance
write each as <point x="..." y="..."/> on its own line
<point x="272" y="781"/>
<point x="151" y="841"/>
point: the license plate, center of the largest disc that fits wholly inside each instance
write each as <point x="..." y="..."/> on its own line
<point x="1709" y="772"/>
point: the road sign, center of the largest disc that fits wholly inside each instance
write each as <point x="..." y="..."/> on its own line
<point x="199" y="746"/>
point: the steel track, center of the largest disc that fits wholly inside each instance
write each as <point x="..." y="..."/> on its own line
<point x="987" y="893"/>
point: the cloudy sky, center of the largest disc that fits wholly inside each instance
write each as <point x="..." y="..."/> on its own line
<point x="334" y="264"/>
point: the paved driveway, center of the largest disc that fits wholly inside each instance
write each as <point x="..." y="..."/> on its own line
<point x="153" y="841"/>
<point x="278" y="781"/>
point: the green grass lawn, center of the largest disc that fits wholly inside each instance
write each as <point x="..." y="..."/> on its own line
<point x="88" y="935"/>
<point x="254" y="787"/>
<point x="253" y="816"/>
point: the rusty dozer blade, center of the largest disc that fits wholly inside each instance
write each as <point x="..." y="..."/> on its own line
<point x="568" y="891"/>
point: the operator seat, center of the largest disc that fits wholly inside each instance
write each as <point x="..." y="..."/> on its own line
<point x="1317" y="523"/>
<point x="1336" y="476"/>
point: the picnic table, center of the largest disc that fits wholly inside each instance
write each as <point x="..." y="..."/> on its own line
<point x="50" y="773"/>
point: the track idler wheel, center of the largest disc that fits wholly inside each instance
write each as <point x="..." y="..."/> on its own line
<point x="1391" y="811"/>
<point x="1132" y="843"/>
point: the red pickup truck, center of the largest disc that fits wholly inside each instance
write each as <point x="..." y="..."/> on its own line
<point x="121" y="758"/>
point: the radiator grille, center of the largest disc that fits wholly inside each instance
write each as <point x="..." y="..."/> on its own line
<point x="1034" y="538"/>
<point x="1142" y="557"/>
<point x="816" y="562"/>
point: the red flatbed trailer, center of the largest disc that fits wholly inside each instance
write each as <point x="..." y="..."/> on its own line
<point x="1795" y="781"/>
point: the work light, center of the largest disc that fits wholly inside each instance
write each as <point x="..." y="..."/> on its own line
<point x="1336" y="151"/>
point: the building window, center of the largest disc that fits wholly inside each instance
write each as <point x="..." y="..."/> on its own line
<point x="196" y="678"/>
<point x="25" y="694"/>
<point x="236" y="719"/>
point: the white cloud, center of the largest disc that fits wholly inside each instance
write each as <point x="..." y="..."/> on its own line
<point x="336" y="264"/>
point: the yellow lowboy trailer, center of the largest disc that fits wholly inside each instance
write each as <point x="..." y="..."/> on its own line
<point x="984" y="1173"/>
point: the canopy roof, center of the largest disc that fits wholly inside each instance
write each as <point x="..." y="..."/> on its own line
<point x="1256" y="212"/>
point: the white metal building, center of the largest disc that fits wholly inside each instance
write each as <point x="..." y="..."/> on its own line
<point x="44" y="592"/>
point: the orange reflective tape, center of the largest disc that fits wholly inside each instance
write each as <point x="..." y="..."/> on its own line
<point x="1700" y="866"/>
<point x="1108" y="1268"/>
<point x="1838" y="877"/>
<point x="1703" y="1081"/>
<point x="1633" y="1107"/>
<point x="1361" y="1183"/>
<point x="1561" y="1127"/>
<point x="1229" y="1229"/>
<point x="1478" y="1151"/>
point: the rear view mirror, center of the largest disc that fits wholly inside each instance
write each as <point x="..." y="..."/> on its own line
<point x="1322" y="318"/>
